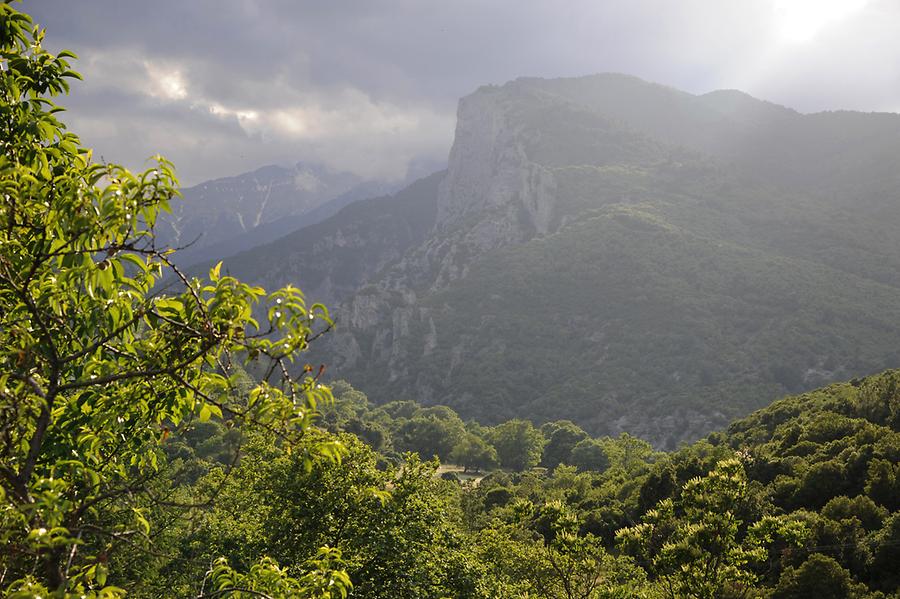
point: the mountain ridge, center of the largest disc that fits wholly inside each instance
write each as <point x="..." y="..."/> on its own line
<point x="578" y="167"/>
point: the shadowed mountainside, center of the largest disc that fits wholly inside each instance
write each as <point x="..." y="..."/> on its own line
<point x="619" y="253"/>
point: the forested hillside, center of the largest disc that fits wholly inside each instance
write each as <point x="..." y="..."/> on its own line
<point x="796" y="500"/>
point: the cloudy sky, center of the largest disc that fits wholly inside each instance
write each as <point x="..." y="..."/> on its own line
<point x="224" y="86"/>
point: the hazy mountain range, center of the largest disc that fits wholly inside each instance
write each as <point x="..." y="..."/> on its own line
<point x="224" y="216"/>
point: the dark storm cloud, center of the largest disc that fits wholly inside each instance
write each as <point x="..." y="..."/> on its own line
<point x="224" y="86"/>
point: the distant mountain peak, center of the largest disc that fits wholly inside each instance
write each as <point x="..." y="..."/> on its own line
<point x="736" y="103"/>
<point x="228" y="207"/>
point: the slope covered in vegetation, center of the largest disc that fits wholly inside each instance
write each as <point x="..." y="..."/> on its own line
<point x="797" y="500"/>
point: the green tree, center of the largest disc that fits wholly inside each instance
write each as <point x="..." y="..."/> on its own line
<point x="883" y="483"/>
<point x="695" y="546"/>
<point x="561" y="437"/>
<point x="349" y="403"/>
<point x="629" y="453"/>
<point x="395" y="528"/>
<point x="589" y="454"/>
<point x="879" y="399"/>
<point x="563" y="564"/>
<point x="267" y="579"/>
<point x="429" y="435"/>
<point x="820" y="483"/>
<point x="819" y="576"/>
<point x="400" y="409"/>
<point x="474" y="452"/>
<point x="887" y="555"/>
<point x="870" y="515"/>
<point x="96" y="370"/>
<point x="519" y="445"/>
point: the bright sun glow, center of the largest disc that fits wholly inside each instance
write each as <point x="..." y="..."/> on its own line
<point x="165" y="83"/>
<point x="801" y="20"/>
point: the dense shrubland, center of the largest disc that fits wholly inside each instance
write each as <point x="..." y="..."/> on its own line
<point x="798" y="499"/>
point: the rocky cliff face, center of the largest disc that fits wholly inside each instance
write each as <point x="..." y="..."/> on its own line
<point x="492" y="196"/>
<point x="491" y="181"/>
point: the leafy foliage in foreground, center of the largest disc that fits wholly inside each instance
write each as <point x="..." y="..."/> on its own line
<point x="98" y="368"/>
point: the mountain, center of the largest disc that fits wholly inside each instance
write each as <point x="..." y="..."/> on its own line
<point x="619" y="253"/>
<point x="227" y="215"/>
<point x="336" y="257"/>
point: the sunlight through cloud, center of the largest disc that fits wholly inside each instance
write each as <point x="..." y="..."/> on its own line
<point x="166" y="83"/>
<point x="801" y="20"/>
